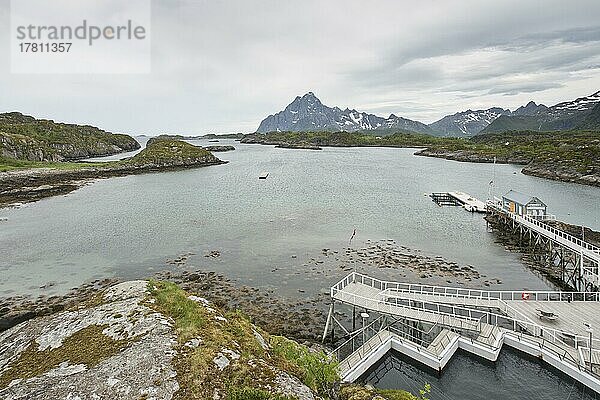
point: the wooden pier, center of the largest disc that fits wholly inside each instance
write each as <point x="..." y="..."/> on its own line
<point x="577" y="261"/>
<point x="464" y="200"/>
<point x="429" y="323"/>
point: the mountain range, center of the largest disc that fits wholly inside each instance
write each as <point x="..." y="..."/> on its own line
<point x="307" y="113"/>
<point x="562" y="116"/>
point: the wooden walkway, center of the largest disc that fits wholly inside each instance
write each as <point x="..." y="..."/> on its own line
<point x="562" y="343"/>
<point x="588" y="269"/>
<point x="571" y="316"/>
<point x="487" y="313"/>
<point x="370" y="298"/>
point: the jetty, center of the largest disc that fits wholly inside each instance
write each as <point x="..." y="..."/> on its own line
<point x="464" y="200"/>
<point x="575" y="261"/>
<point x="430" y="323"/>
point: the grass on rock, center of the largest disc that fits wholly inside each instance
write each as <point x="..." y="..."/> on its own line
<point x="218" y="332"/>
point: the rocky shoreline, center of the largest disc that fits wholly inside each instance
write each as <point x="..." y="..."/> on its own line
<point x="268" y="309"/>
<point x="469" y="156"/>
<point x="557" y="171"/>
<point x="304" y="146"/>
<point x="219" y="148"/>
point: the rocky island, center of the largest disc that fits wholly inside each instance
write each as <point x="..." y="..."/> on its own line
<point x="49" y="179"/>
<point x="219" y="148"/>
<point x="23" y="137"/>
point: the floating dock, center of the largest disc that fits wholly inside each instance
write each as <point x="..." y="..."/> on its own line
<point x="464" y="200"/>
<point x="430" y="323"/>
<point x="263" y="175"/>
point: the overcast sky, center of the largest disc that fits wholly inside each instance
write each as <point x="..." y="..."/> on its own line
<point x="224" y="65"/>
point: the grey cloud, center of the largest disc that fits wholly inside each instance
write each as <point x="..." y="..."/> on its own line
<point x="533" y="87"/>
<point x="225" y="65"/>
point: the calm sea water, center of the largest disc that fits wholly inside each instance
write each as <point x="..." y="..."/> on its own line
<point x="130" y="226"/>
<point x="512" y="376"/>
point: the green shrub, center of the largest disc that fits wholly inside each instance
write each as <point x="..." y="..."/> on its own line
<point x="318" y="370"/>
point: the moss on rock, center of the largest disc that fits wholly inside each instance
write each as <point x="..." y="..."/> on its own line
<point x="87" y="346"/>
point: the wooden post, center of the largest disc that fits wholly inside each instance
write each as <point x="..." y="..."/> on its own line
<point x="329" y="315"/>
<point x="332" y="325"/>
<point x="353" y="318"/>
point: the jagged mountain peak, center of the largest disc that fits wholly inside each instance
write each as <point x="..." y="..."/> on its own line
<point x="574" y="114"/>
<point x="579" y="104"/>
<point x="307" y="113"/>
<point x="466" y="123"/>
<point x="530" y="108"/>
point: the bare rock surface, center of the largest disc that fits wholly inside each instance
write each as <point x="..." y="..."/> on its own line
<point x="140" y="368"/>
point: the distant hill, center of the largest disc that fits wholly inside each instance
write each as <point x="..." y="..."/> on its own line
<point x="466" y="123"/>
<point x="26" y="138"/>
<point x="308" y="114"/>
<point x="563" y="116"/>
<point x="470" y="123"/>
<point x="592" y="120"/>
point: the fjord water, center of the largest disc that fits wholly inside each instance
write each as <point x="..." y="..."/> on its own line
<point x="513" y="376"/>
<point x="266" y="229"/>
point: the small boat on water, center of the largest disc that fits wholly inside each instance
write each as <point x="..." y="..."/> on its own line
<point x="263" y="175"/>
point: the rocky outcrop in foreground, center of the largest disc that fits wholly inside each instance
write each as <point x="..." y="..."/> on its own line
<point x="150" y="340"/>
<point x="118" y="349"/>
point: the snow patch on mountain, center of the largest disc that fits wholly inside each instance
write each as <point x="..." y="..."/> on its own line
<point x="307" y="113"/>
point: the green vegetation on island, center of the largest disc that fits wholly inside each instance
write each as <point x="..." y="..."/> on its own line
<point x="168" y="152"/>
<point x="33" y="180"/>
<point x="572" y="156"/>
<point x="25" y="138"/>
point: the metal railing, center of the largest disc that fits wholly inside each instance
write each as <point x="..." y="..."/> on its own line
<point x="493" y="341"/>
<point x="547" y="295"/>
<point x="469" y="319"/>
<point x="546" y="230"/>
<point x="491" y="295"/>
<point x="465" y="321"/>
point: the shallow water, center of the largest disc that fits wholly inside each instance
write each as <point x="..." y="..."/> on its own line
<point x="129" y="226"/>
<point x="513" y="376"/>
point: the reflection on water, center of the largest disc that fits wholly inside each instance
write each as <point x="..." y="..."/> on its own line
<point x="513" y="376"/>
